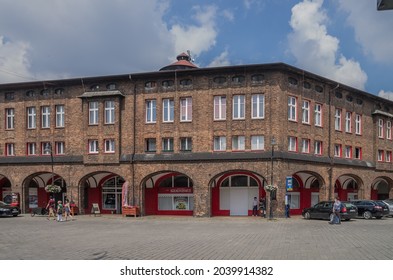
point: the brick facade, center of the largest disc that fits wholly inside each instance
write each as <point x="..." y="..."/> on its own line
<point x="83" y="174"/>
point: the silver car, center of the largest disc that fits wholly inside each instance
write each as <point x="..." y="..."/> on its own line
<point x="389" y="202"/>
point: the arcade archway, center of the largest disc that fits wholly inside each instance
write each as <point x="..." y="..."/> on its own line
<point x="233" y="192"/>
<point x="348" y="187"/>
<point x="381" y="188"/>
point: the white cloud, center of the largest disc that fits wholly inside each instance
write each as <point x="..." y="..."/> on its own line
<point x="14" y="64"/>
<point x="221" y="60"/>
<point x="386" y="94"/>
<point x="197" y="38"/>
<point x="372" y="28"/>
<point x="315" y="50"/>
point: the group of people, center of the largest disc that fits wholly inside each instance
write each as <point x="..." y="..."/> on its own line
<point x="262" y="207"/>
<point x="58" y="211"/>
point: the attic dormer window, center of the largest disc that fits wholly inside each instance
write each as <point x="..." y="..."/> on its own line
<point x="150" y="84"/>
<point x="95" y="88"/>
<point x="111" y="86"/>
<point x="238" y="79"/>
<point x="220" y="80"/>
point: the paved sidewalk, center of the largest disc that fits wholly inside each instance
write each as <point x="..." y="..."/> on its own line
<point x="171" y="238"/>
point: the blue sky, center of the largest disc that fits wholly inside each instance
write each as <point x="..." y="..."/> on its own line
<point x="345" y="40"/>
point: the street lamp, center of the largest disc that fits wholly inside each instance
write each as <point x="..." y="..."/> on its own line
<point x="273" y="143"/>
<point x="48" y="149"/>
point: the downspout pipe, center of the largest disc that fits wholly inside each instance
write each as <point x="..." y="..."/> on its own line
<point x="331" y="157"/>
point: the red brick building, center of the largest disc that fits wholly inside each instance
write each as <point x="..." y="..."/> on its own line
<point x="194" y="141"/>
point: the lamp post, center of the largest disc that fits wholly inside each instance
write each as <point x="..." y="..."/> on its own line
<point x="48" y="149"/>
<point x="273" y="143"/>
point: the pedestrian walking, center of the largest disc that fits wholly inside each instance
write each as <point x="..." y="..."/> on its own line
<point x="50" y="206"/>
<point x="336" y="212"/>
<point x="67" y="210"/>
<point x="255" y="207"/>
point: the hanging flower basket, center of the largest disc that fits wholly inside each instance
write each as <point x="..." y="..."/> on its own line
<point x="53" y="189"/>
<point x="270" y="188"/>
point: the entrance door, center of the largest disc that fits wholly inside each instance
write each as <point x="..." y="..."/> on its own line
<point x="239" y="201"/>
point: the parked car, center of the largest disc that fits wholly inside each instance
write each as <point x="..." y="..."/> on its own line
<point x="389" y="202"/>
<point x="324" y="210"/>
<point x="8" y="210"/>
<point x="371" y="208"/>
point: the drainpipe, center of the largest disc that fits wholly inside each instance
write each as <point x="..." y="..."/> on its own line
<point x="134" y="144"/>
<point x="331" y="158"/>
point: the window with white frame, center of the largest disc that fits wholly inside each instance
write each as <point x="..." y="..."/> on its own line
<point x="337" y="119"/>
<point x="317" y="147"/>
<point x="380" y="128"/>
<point x="380" y="155"/>
<point x="186" y="109"/>
<point x="220" y="107"/>
<point x="238" y="107"/>
<point x="388" y="157"/>
<point x="186" y="144"/>
<point x="9" y="118"/>
<point x="318" y="115"/>
<point x="45" y="116"/>
<point x="337" y="150"/>
<point x="168" y="110"/>
<point x="348" y="152"/>
<point x="358" y="124"/>
<point x="305" y="145"/>
<point x="294" y="200"/>
<point x="292" y="144"/>
<point x="292" y="108"/>
<point x="389" y="130"/>
<point x="151" y="111"/>
<point x="167" y="144"/>
<point x="358" y="153"/>
<point x="93" y="113"/>
<point x="31" y="149"/>
<point x="109" y="145"/>
<point x="220" y="143"/>
<point x="31" y="118"/>
<point x="10" y="149"/>
<point x="257" y="142"/>
<point x="60" y="120"/>
<point x="258" y="106"/>
<point x="306" y="112"/>
<point x="59" y="148"/>
<point x="348" y="122"/>
<point x="109" y="112"/>
<point x="93" y="146"/>
<point x="238" y="143"/>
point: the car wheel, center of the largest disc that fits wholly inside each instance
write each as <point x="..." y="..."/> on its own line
<point x="367" y="215"/>
<point x="378" y="218"/>
<point x="347" y="219"/>
<point x="16" y="215"/>
<point x="307" y="215"/>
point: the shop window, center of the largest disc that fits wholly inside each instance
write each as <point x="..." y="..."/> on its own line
<point x="294" y="200"/>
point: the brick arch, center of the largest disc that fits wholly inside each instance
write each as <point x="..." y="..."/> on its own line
<point x="33" y="189"/>
<point x="90" y="190"/>
<point x="151" y="191"/>
<point x="304" y="193"/>
<point x="217" y="180"/>
<point x="376" y="190"/>
<point x="344" y="186"/>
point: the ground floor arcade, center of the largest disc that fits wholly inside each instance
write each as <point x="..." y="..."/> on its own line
<point x="187" y="189"/>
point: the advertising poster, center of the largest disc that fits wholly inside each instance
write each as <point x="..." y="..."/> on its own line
<point x="33" y="197"/>
<point x="181" y="202"/>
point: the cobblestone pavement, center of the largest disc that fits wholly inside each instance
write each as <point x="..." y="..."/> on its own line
<point x="176" y="238"/>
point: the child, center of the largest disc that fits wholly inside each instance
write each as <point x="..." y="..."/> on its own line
<point x="59" y="211"/>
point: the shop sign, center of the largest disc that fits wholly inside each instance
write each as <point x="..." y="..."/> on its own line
<point x="175" y="190"/>
<point x="288" y="183"/>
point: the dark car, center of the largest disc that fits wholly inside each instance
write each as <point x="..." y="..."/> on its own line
<point x="8" y="210"/>
<point x="324" y="210"/>
<point x="371" y="208"/>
